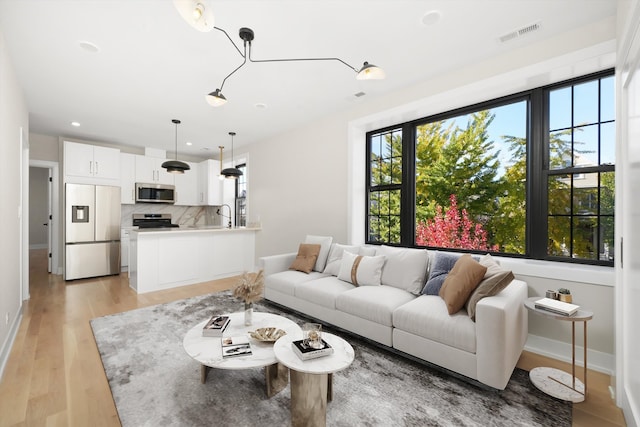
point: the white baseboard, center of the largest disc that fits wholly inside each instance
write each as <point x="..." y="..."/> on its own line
<point x="8" y="343"/>
<point x="631" y="415"/>
<point x="596" y="360"/>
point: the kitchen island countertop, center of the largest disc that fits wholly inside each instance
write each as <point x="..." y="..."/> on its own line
<point x="192" y="229"/>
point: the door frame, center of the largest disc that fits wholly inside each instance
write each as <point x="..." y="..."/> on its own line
<point x="54" y="197"/>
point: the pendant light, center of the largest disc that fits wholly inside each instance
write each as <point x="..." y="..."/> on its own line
<point x="232" y="172"/>
<point x="221" y="177"/>
<point x="176" y="166"/>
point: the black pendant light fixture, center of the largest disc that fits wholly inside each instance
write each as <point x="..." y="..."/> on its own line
<point x="199" y="14"/>
<point x="176" y="166"/>
<point x="231" y="172"/>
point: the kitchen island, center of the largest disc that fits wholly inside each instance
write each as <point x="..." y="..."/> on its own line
<point x="163" y="258"/>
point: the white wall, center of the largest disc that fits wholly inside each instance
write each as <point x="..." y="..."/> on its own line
<point x="311" y="180"/>
<point x="14" y="124"/>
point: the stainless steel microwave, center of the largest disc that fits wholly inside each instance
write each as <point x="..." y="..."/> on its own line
<point x="155" y="193"/>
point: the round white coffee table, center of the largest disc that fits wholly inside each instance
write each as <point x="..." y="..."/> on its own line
<point x="312" y="380"/>
<point x="208" y="350"/>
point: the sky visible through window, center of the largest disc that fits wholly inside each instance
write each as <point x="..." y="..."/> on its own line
<point x="511" y="120"/>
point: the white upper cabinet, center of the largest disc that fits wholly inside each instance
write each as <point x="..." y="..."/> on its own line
<point x="149" y="171"/>
<point x="187" y="186"/>
<point x="209" y="184"/>
<point x="84" y="163"/>
<point x="127" y="178"/>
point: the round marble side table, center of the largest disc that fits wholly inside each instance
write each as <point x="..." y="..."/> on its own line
<point x="555" y="382"/>
<point x="312" y="380"/>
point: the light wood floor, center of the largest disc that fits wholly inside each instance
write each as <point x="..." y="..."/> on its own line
<point x="54" y="376"/>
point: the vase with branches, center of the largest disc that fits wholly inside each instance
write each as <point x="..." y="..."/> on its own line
<point x="249" y="289"/>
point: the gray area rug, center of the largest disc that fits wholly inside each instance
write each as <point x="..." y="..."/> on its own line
<point x="155" y="383"/>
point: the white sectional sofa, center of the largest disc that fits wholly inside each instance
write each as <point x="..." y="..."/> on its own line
<point x="397" y="315"/>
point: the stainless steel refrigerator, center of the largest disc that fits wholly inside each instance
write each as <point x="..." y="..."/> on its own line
<point x="92" y="231"/>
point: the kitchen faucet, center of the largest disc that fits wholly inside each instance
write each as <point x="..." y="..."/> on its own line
<point x="223" y="215"/>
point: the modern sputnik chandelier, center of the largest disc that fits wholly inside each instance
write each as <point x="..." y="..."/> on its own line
<point x="199" y="14"/>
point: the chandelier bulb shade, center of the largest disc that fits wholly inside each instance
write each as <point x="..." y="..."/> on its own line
<point x="197" y="13"/>
<point x="370" y="72"/>
<point x="176" y="166"/>
<point x="216" y="98"/>
<point x="231" y="172"/>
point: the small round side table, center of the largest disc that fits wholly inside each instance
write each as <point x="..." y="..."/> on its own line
<point x="555" y="382"/>
<point x="312" y="380"/>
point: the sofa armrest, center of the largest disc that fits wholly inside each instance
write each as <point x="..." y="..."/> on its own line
<point x="501" y="332"/>
<point x="277" y="263"/>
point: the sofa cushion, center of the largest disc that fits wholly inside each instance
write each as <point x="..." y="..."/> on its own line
<point x="405" y="268"/>
<point x="325" y="245"/>
<point x="463" y="278"/>
<point x="286" y="281"/>
<point x="374" y="303"/>
<point x="322" y="291"/>
<point x="335" y="257"/>
<point x="494" y="281"/>
<point x="442" y="264"/>
<point x="306" y="258"/>
<point x="427" y="316"/>
<point x="361" y="270"/>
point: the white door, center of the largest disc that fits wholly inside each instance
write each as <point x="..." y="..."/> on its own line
<point x="49" y="220"/>
<point x="628" y="277"/>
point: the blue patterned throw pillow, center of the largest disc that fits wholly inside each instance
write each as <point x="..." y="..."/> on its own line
<point x="442" y="265"/>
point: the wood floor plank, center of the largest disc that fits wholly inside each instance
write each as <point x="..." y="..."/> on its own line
<point x="54" y="375"/>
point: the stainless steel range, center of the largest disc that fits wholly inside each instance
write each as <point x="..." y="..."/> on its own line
<point x="152" y="220"/>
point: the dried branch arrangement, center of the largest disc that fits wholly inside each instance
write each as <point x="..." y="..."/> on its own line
<point x="250" y="287"/>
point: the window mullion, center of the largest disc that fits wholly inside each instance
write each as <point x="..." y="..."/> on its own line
<point x="407" y="197"/>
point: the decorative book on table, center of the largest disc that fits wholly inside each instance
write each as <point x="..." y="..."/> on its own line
<point x="557" y="307"/>
<point x="236" y="346"/>
<point x="215" y="326"/>
<point x="305" y="352"/>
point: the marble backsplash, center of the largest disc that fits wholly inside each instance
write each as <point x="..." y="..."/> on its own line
<point x="182" y="215"/>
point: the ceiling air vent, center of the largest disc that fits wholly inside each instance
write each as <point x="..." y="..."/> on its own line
<point x="511" y="35"/>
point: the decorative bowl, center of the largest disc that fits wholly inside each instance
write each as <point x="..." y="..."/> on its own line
<point x="270" y="334"/>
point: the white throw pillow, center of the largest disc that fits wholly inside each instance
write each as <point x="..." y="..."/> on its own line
<point x="361" y="270"/>
<point x="334" y="260"/>
<point x="325" y="245"/>
<point x="406" y="268"/>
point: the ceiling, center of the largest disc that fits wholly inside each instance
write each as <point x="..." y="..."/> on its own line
<point x="151" y="66"/>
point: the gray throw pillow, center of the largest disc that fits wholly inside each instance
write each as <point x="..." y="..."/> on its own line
<point x="442" y="265"/>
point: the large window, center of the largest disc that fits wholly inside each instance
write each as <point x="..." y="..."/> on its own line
<point x="580" y="173"/>
<point x="529" y="175"/>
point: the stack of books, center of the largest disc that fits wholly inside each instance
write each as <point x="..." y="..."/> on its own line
<point x="215" y="326"/>
<point x="305" y="352"/>
<point x="236" y="346"/>
<point x="557" y="307"/>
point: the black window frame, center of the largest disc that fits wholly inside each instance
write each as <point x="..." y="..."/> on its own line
<point x="537" y="170"/>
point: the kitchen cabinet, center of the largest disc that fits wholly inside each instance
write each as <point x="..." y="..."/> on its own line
<point x="187" y="186"/>
<point x="91" y="164"/>
<point x="149" y="170"/>
<point x="127" y="178"/>
<point x="209" y="183"/>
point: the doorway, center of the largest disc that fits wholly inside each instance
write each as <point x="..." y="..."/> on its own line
<point x="43" y="213"/>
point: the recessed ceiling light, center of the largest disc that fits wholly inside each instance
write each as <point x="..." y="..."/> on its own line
<point x="260" y="105"/>
<point x="76" y="124"/>
<point x="431" y="17"/>
<point x="189" y="143"/>
<point x="88" y="46"/>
